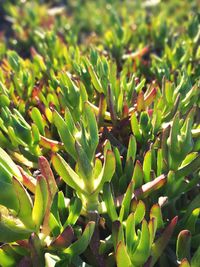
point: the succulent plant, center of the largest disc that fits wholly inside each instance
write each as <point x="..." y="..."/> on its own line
<point x="99" y="133"/>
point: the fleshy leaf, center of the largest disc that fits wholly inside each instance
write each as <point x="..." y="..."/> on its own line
<point x="65" y="134"/>
<point x="41" y="201"/>
<point x="147" y="166"/>
<point x="12" y="229"/>
<point x="161" y="243"/>
<point x="67" y="174"/>
<point x="106" y="172"/>
<point x="25" y="204"/>
<point x="9" y="165"/>
<point x="142" y="251"/>
<point x="156" y="212"/>
<point x="64" y="239"/>
<point x="196" y="258"/>
<point x="48" y="175"/>
<point x="109" y="202"/>
<point x="126" y="201"/>
<point x="37" y="118"/>
<point x="183" y="245"/>
<point x="82" y="243"/>
<point x="122" y="256"/>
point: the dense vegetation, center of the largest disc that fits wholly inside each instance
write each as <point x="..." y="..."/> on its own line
<point x="99" y="133"/>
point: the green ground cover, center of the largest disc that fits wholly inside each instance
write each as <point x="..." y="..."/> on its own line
<point x="99" y="133"/>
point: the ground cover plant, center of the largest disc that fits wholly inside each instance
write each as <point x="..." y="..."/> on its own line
<point x="99" y="133"/>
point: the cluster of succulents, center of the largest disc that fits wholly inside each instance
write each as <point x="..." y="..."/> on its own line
<point x="99" y="133"/>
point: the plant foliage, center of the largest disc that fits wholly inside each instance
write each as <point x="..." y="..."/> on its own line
<point x="99" y="133"/>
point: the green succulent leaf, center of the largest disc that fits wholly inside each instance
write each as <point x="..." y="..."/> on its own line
<point x="67" y="174"/>
<point x="132" y="147"/>
<point x="125" y="206"/>
<point x="107" y="171"/>
<point x="12" y="229"/>
<point x="147" y="166"/>
<point x="25" y="204"/>
<point x="138" y="174"/>
<point x="160" y="244"/>
<point x="83" y="162"/>
<point x="48" y="175"/>
<point x="135" y="127"/>
<point x="82" y="243"/>
<point x="122" y="256"/>
<point x="196" y="258"/>
<point x="130" y="233"/>
<point x="41" y="201"/>
<point x="37" y="119"/>
<point x="109" y="202"/>
<point x="152" y="228"/>
<point x="9" y="165"/>
<point x="8" y="196"/>
<point x="117" y="233"/>
<point x="7" y="260"/>
<point x="192" y="220"/>
<point x="155" y="212"/>
<point x="95" y="80"/>
<point x="93" y="130"/>
<point x="142" y="250"/>
<point x="183" y="245"/>
<point x="139" y="212"/>
<point x="74" y="211"/>
<point x="190" y="167"/>
<point x="65" y="135"/>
